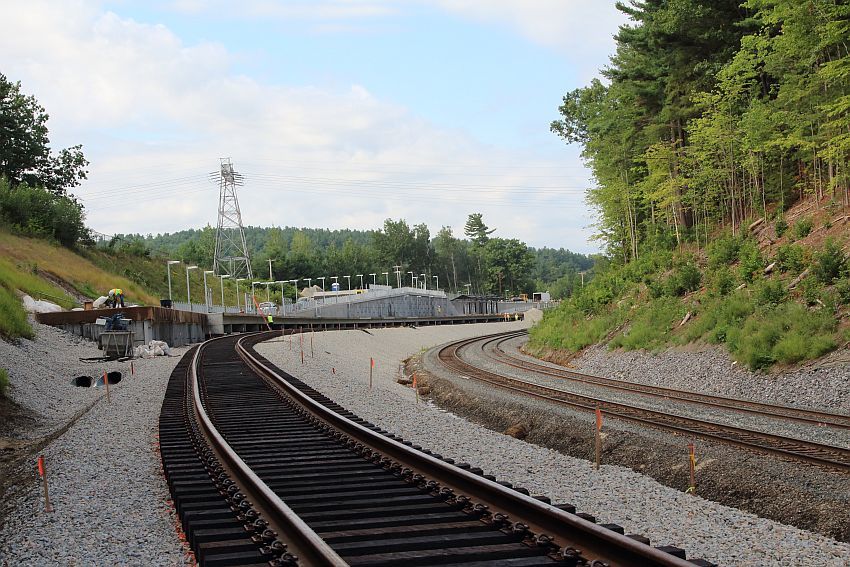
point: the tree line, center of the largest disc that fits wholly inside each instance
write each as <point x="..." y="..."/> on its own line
<point x="480" y="263"/>
<point x="714" y="112"/>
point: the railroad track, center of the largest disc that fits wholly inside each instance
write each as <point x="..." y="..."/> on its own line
<point x="264" y="469"/>
<point x="797" y="449"/>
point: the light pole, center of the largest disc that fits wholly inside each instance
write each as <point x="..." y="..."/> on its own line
<point x="415" y="282"/>
<point x="206" y="297"/>
<point x="374" y="277"/>
<point x="168" y="269"/>
<point x="437" y="280"/>
<point x="323" y="283"/>
<point x="424" y="281"/>
<point x="282" y="302"/>
<point x="223" y="277"/>
<point x="349" y="282"/>
<point x="387" y="274"/>
<point x="238" y="302"/>
<point x="397" y="273"/>
<point x="253" y="296"/>
<point x="268" y="293"/>
<point x="271" y="276"/>
<point x="411" y="279"/>
<point x="334" y="278"/>
<point x="467" y="286"/>
<point x="188" y="294"/>
<point x="295" y="297"/>
<point x="309" y="283"/>
<point x="361" y="279"/>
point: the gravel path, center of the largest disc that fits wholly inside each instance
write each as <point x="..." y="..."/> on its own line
<point x="104" y="472"/>
<point x="340" y="370"/>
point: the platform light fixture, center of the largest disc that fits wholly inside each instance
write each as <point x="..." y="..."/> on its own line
<point x="387" y="274"/>
<point x="238" y="301"/>
<point x="168" y="265"/>
<point x="349" y="282"/>
<point x="437" y="280"/>
<point x="206" y="297"/>
<point x="424" y="281"/>
<point x="188" y="291"/>
<point x="412" y="278"/>
<point x="361" y="279"/>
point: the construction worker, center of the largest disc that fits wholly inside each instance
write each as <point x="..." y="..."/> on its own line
<point x="115" y="297"/>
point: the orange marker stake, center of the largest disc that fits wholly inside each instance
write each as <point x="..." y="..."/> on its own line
<point x="106" y="383"/>
<point x="371" y="366"/>
<point x="415" y="388"/>
<point x="132" y="369"/>
<point x="311" y="345"/>
<point x="598" y="435"/>
<point x="43" y="474"/>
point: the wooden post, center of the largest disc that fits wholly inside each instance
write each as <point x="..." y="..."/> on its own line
<point x="692" y="461"/>
<point x="106" y="383"/>
<point x="598" y="436"/>
<point x="371" y="366"/>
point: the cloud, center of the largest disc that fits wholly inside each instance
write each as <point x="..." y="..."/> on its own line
<point x="154" y="115"/>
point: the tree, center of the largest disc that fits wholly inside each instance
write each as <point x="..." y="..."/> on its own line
<point x="25" y="155"/>
<point x="509" y="265"/>
<point x="476" y="230"/>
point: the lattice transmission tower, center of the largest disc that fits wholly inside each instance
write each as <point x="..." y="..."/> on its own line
<point x="231" y="251"/>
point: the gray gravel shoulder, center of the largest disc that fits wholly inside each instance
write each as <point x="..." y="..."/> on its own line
<point x="340" y="370"/>
<point x="110" y="499"/>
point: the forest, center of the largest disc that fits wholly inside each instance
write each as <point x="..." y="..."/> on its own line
<point x="719" y="141"/>
<point x="488" y="263"/>
<point x="714" y="112"/>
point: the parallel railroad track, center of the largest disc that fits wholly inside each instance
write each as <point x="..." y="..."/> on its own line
<point x="798" y="449"/>
<point x="264" y="469"/>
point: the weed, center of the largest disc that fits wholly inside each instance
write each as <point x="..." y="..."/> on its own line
<point x="13" y="318"/>
<point x="751" y="260"/>
<point x="650" y="325"/>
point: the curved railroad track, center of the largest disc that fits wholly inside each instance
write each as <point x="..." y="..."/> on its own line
<point x="798" y="449"/>
<point x="264" y="469"/>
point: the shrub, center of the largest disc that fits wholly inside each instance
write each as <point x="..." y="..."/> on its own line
<point x="751" y="260"/>
<point x="791" y="258"/>
<point x="781" y="226"/>
<point x="4" y="382"/>
<point x="685" y="277"/>
<point x="721" y="281"/>
<point x="718" y="316"/>
<point x="723" y="251"/>
<point x="803" y="227"/>
<point x="842" y="289"/>
<point x="770" y="292"/>
<point x="829" y="262"/>
<point x="38" y="212"/>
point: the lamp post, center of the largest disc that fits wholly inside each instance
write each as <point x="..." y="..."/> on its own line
<point x="424" y="281"/>
<point x="387" y="274"/>
<point x="295" y="297"/>
<point x="323" y="283"/>
<point x="271" y="276"/>
<point x="253" y="296"/>
<point x="238" y="302"/>
<point x="188" y="291"/>
<point x="206" y="297"/>
<point x="411" y="279"/>
<point x="168" y="269"/>
<point x="309" y="282"/>
<point x="397" y="273"/>
<point x="268" y="293"/>
<point x="361" y="279"/>
<point x="374" y="277"/>
<point x="415" y="282"/>
<point x="437" y="282"/>
<point x="349" y="282"/>
<point x="282" y="302"/>
<point x="223" y="277"/>
<point x="334" y="278"/>
<point x="467" y="286"/>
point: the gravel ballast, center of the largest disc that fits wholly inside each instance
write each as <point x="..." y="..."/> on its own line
<point x="340" y="370"/>
<point x="110" y="499"/>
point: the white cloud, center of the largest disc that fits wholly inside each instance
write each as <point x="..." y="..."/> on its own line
<point x="155" y="114"/>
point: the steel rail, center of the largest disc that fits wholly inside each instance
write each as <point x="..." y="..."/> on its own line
<point x="816" y="453"/>
<point x="803" y="415"/>
<point x="567" y="530"/>
<point x="301" y="539"/>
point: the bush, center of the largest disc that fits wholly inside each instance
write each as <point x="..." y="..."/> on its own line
<point x="4" y="383"/>
<point x="718" y="316"/>
<point x="723" y="251"/>
<point x="770" y="292"/>
<point x="685" y="277"/>
<point x="721" y="281"/>
<point x="791" y="258"/>
<point x="751" y="261"/>
<point x="567" y="327"/>
<point x="781" y="226"/>
<point x="36" y="211"/>
<point x="803" y="227"/>
<point x="829" y="263"/>
<point x="842" y="289"/>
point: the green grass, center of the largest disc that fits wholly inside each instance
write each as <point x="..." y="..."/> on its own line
<point x="651" y="325"/>
<point x="20" y="276"/>
<point x="568" y="328"/>
<point x="13" y="318"/>
<point x="4" y="383"/>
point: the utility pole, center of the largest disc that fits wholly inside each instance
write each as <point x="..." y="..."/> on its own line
<point x="271" y="276"/>
<point x="231" y="251"/>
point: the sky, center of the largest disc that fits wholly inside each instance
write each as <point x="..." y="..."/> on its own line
<point x="337" y="113"/>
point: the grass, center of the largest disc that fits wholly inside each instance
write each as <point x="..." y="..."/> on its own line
<point x="21" y="277"/>
<point x="4" y="382"/>
<point x="569" y="329"/>
<point x="13" y="318"/>
<point x="79" y="272"/>
<point x="651" y="325"/>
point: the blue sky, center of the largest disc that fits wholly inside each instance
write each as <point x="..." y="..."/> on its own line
<point x="340" y="113"/>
